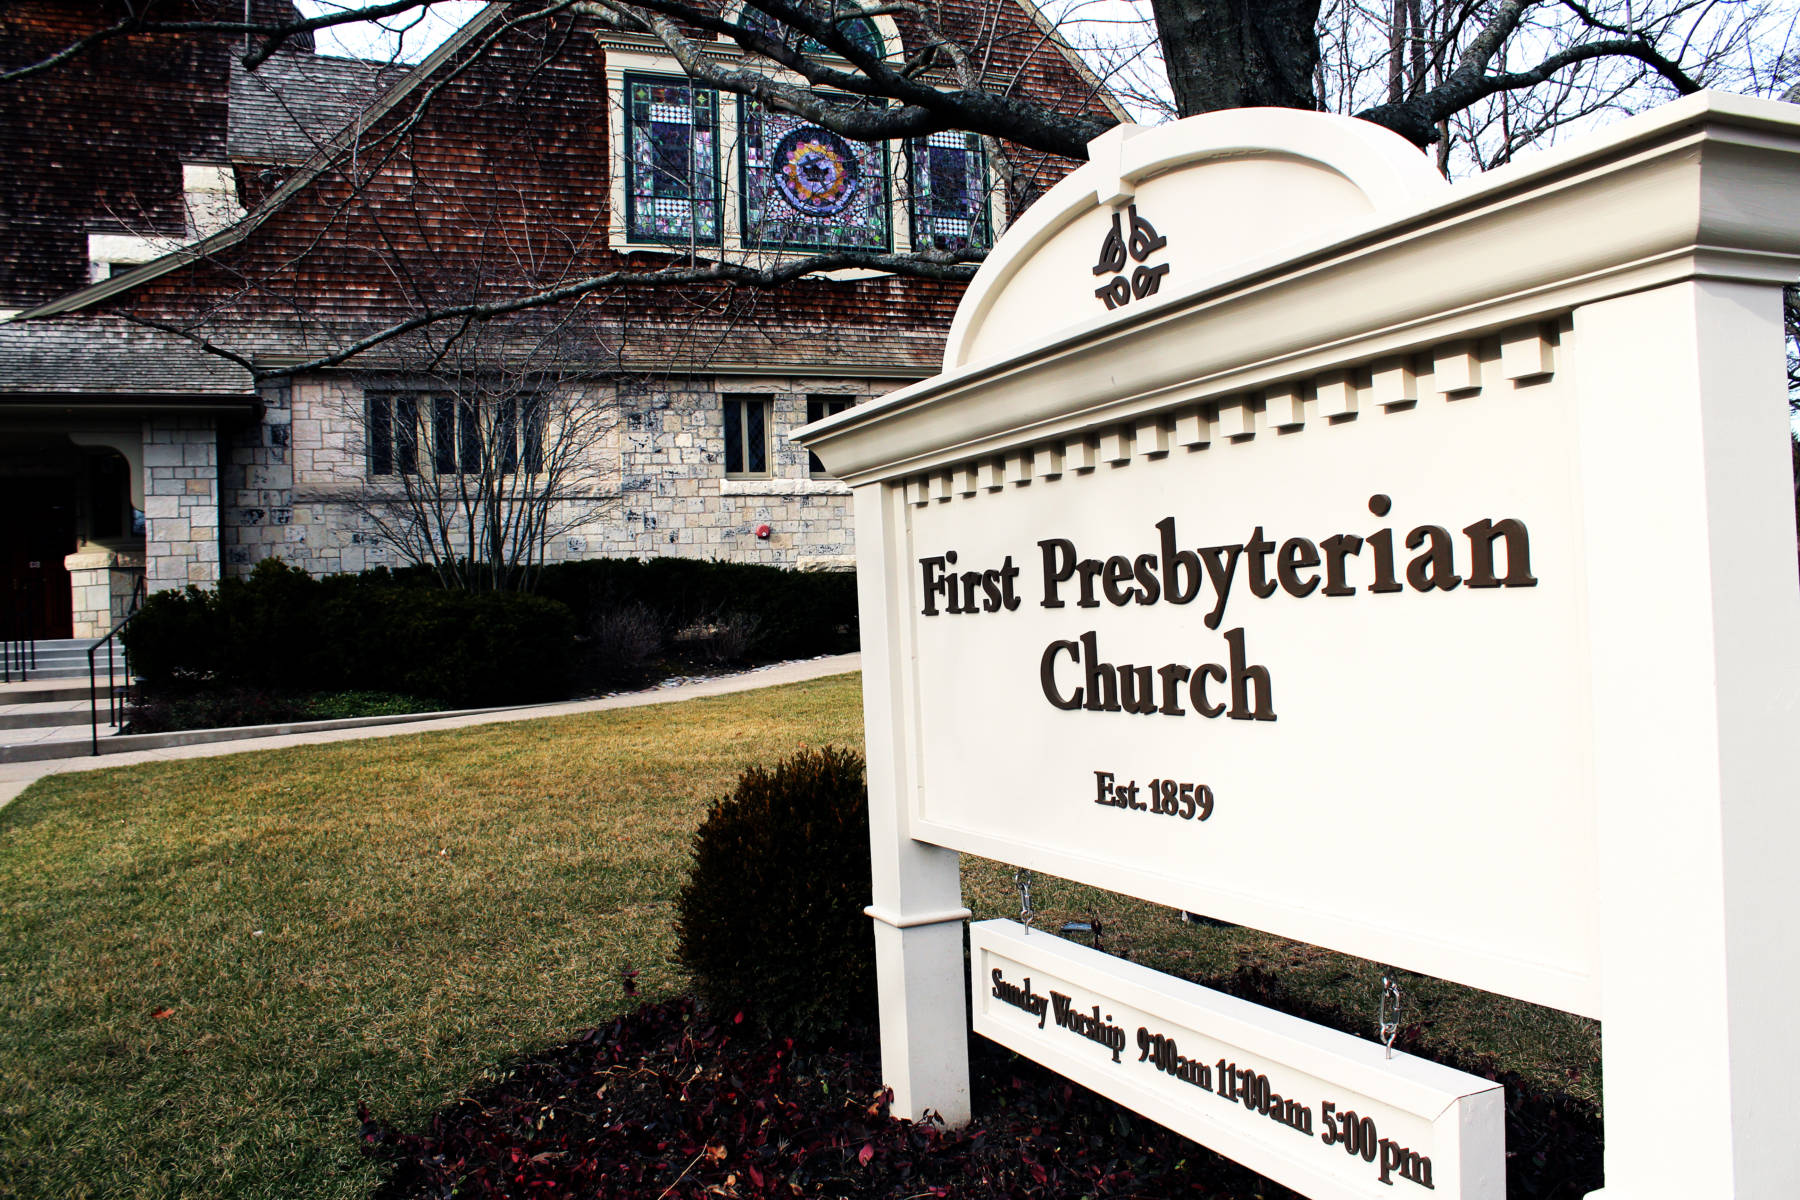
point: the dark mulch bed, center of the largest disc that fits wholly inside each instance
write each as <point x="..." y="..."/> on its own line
<point x="223" y="707"/>
<point x="666" y="1105"/>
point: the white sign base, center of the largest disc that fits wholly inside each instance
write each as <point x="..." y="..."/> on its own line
<point x="1325" y="1113"/>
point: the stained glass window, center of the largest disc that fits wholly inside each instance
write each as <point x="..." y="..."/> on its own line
<point x="949" y="192"/>
<point x="858" y="31"/>
<point x="807" y="188"/>
<point x="671" y="161"/>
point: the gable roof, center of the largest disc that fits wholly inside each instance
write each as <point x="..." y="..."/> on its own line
<point x="398" y="91"/>
<point x="290" y="110"/>
<point x="1101" y="91"/>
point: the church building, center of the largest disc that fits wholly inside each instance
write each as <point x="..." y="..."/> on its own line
<point x="297" y="311"/>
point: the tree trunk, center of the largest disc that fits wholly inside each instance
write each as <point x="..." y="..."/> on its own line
<point x="1239" y="53"/>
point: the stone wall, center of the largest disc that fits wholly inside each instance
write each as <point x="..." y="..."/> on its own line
<point x="675" y="499"/>
<point x="257" y="480"/>
<point x="181" y="501"/>
<point x="654" y="482"/>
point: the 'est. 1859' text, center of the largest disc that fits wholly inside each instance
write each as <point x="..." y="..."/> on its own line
<point x="1163" y="797"/>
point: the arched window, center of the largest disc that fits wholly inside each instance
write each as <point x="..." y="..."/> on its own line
<point x="858" y="31"/>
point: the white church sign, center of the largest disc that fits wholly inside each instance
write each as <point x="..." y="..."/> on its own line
<point x="1401" y="567"/>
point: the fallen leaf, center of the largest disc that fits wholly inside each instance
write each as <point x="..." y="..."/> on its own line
<point x="162" y="1014"/>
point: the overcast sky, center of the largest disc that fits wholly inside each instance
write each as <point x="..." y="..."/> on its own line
<point x="406" y="38"/>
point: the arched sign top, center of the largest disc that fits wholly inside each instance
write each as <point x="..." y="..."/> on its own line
<point x="1162" y="212"/>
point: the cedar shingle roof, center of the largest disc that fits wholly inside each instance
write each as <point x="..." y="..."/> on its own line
<point x="101" y="355"/>
<point x="503" y="186"/>
<point x="290" y="107"/>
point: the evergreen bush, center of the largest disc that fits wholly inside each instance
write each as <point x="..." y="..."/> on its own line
<point x="284" y="631"/>
<point x="771" y="920"/>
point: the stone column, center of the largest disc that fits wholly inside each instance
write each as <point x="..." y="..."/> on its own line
<point x="181" y="502"/>
<point x="102" y="583"/>
<point x="90" y="591"/>
<point x="257" y="485"/>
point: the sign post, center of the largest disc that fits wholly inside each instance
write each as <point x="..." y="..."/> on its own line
<point x="1400" y="567"/>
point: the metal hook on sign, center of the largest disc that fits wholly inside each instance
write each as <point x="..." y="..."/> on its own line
<point x="1022" y="877"/>
<point x="1392" y="1001"/>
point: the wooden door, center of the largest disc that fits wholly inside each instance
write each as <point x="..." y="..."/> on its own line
<point x="37" y="529"/>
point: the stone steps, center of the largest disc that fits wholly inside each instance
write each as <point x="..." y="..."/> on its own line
<point x="67" y="658"/>
<point x="78" y="741"/>
<point x="46" y="714"/>
<point x="50" y="717"/>
<point x="59" y="741"/>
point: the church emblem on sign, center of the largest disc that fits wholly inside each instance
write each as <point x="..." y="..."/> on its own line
<point x="1119" y="250"/>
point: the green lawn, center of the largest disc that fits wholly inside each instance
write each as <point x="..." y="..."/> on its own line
<point x="205" y="964"/>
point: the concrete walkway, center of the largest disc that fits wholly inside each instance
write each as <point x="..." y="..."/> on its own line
<point x="16" y="777"/>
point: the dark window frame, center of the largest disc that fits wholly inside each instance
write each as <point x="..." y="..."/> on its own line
<point x="818" y="407"/>
<point x="393" y="422"/>
<point x="877" y="42"/>
<point x="742" y="446"/>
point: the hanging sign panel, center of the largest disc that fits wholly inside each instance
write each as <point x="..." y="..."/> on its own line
<point x="1327" y="1114"/>
<point x="1326" y="679"/>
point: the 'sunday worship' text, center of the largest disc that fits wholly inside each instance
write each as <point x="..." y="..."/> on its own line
<point x="1246" y="1087"/>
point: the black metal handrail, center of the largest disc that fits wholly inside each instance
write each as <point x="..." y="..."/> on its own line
<point x="18" y="647"/>
<point x="114" y="705"/>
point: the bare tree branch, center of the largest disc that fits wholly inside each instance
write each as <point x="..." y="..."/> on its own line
<point x="271" y="36"/>
<point x="1418" y="117"/>
<point x="921" y="108"/>
<point x="958" y="267"/>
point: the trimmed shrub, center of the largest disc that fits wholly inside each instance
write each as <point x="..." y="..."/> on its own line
<point x="770" y="921"/>
<point x="170" y="640"/>
<point x="285" y="631"/>
<point x="211" y="708"/>
<point x="489" y="649"/>
<point x="219" y="707"/>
